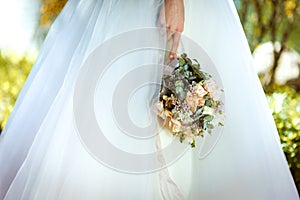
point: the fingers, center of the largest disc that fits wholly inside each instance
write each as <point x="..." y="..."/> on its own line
<point x="176" y="41"/>
<point x="170" y="30"/>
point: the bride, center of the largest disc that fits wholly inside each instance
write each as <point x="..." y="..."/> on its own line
<point x="47" y="150"/>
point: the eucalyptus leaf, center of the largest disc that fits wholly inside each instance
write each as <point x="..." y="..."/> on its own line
<point x="179" y="83"/>
<point x="186" y="67"/>
<point x="181" y="61"/>
<point x="186" y="74"/>
<point x="188" y="61"/>
<point x="220" y="124"/>
<point x="199" y="111"/>
<point x="192" y="78"/>
<point x="206" y="97"/>
<point x="208" y="118"/>
<point x="183" y="55"/>
<point x="210" y="126"/>
<point x="209" y="103"/>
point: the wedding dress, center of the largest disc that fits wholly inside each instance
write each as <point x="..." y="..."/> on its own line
<point x="43" y="150"/>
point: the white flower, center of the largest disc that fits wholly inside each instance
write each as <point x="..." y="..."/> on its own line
<point x="211" y="86"/>
<point x="208" y="110"/>
<point x="159" y="108"/>
<point x="175" y="125"/>
<point x="185" y="117"/>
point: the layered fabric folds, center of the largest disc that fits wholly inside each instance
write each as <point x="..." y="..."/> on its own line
<point x="42" y="156"/>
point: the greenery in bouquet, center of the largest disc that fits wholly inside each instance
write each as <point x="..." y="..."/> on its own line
<point x="190" y="100"/>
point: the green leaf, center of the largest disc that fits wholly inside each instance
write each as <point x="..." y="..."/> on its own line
<point x="193" y="143"/>
<point x="210" y="126"/>
<point x="181" y="138"/>
<point x="181" y="61"/>
<point x="209" y="103"/>
<point x="186" y="67"/>
<point x="188" y="61"/>
<point x="208" y="118"/>
<point x="183" y="55"/>
<point x="178" y="90"/>
<point x="179" y="83"/>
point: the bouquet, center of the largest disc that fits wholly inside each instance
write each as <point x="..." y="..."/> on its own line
<point x="190" y="100"/>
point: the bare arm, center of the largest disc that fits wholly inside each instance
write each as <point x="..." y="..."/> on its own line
<point x="173" y="11"/>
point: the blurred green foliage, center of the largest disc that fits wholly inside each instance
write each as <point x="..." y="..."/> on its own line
<point x="285" y="105"/>
<point x="277" y="21"/>
<point x="13" y="73"/>
<point x="270" y="20"/>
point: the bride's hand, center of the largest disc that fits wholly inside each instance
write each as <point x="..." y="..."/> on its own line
<point x="172" y="18"/>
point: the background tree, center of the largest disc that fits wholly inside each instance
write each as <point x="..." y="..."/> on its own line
<point x="49" y="10"/>
<point x="277" y="21"/>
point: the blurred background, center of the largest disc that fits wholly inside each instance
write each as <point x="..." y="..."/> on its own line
<point x="272" y="28"/>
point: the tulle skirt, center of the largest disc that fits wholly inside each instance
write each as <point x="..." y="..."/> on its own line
<point x="42" y="155"/>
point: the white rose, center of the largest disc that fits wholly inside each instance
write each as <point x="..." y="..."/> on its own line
<point x="208" y="110"/>
<point x="211" y="86"/>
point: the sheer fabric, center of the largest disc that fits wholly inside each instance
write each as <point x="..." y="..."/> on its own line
<point x="42" y="157"/>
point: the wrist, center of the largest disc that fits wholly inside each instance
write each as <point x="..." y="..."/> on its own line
<point x="174" y="1"/>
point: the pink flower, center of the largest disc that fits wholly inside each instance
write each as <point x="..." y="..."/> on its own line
<point x="192" y="101"/>
<point x="200" y="92"/>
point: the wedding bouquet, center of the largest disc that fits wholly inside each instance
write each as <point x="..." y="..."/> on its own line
<point x="190" y="100"/>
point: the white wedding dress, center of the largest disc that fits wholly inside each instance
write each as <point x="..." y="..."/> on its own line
<point x="44" y="152"/>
